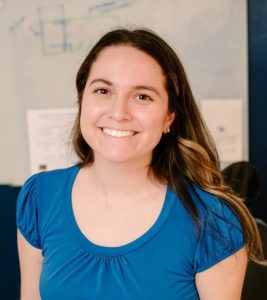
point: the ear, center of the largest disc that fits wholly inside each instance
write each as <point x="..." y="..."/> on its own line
<point x="170" y="118"/>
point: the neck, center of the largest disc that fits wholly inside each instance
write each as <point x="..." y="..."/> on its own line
<point x="119" y="180"/>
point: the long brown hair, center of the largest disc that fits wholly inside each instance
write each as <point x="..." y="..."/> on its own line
<point x="187" y="154"/>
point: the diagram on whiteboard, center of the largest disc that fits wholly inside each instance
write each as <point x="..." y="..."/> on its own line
<point x="61" y="32"/>
<point x="58" y="33"/>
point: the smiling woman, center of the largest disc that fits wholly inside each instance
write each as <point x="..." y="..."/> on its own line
<point x="145" y="213"/>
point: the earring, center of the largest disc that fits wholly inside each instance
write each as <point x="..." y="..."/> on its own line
<point x="168" y="130"/>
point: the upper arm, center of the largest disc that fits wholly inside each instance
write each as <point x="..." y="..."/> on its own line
<point x="30" y="259"/>
<point x="224" y="280"/>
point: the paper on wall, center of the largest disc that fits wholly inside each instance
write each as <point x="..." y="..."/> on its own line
<point x="224" y="119"/>
<point x="49" y="136"/>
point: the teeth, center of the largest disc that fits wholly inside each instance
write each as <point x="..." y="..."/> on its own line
<point x="117" y="133"/>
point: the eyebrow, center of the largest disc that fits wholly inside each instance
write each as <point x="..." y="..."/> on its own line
<point x="137" y="87"/>
<point x="146" y="87"/>
<point x="101" y="80"/>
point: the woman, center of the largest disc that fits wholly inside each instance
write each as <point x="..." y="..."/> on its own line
<point x="145" y="214"/>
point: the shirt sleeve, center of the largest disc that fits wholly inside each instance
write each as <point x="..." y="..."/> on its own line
<point x="27" y="214"/>
<point x="221" y="234"/>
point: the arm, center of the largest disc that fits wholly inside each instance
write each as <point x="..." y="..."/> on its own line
<point x="30" y="259"/>
<point x="224" y="280"/>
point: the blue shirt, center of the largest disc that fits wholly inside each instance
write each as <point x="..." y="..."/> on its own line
<point x="160" y="264"/>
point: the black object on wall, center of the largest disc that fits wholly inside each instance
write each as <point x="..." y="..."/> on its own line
<point x="257" y="37"/>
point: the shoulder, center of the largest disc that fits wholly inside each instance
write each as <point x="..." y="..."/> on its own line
<point x="51" y="178"/>
<point x="205" y="202"/>
<point x="215" y="235"/>
<point x="209" y="204"/>
<point x="37" y="198"/>
<point x="42" y="186"/>
<point x="221" y="233"/>
<point x="215" y="214"/>
<point x="203" y="198"/>
<point x="57" y="174"/>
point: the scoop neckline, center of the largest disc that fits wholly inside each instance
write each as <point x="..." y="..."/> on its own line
<point x="84" y="242"/>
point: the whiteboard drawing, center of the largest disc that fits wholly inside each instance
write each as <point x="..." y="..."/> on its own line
<point x="59" y="33"/>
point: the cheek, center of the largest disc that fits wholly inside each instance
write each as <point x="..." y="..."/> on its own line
<point x="83" y="119"/>
<point x="89" y="113"/>
<point x="155" y="127"/>
<point x="156" y="120"/>
<point x="87" y="119"/>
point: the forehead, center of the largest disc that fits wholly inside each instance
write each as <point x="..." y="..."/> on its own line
<point x="128" y="62"/>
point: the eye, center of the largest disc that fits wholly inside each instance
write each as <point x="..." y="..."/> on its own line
<point x="101" y="91"/>
<point x="144" y="97"/>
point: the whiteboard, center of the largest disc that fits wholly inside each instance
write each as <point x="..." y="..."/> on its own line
<point x="43" y="43"/>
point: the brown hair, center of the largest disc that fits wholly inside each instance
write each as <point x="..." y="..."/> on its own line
<point x="187" y="154"/>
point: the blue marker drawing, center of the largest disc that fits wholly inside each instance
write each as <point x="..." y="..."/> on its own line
<point x="107" y="6"/>
<point x="34" y="31"/>
<point x="17" y="24"/>
<point x="65" y="35"/>
<point x="53" y="31"/>
<point x="102" y="5"/>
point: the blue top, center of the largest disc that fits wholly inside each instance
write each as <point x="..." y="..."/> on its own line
<point x="161" y="264"/>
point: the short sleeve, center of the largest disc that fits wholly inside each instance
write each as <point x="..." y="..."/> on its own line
<point x="221" y="235"/>
<point x="27" y="212"/>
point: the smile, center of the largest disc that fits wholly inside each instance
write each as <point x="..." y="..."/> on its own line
<point x="118" y="133"/>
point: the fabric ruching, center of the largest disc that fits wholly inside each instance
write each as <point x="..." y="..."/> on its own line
<point x="27" y="212"/>
<point x="221" y="233"/>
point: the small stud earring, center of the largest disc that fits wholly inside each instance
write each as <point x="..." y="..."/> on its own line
<point x="168" y="130"/>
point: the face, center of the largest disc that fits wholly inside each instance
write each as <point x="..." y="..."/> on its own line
<point x="125" y="106"/>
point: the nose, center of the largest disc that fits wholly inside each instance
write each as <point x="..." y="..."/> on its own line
<point x="120" y="109"/>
